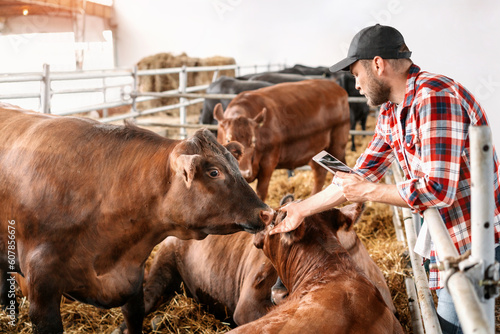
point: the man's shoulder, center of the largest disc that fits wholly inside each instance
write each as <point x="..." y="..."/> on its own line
<point x="434" y="82"/>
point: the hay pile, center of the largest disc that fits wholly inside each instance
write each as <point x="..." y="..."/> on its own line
<point x="165" y="82"/>
<point x="184" y="315"/>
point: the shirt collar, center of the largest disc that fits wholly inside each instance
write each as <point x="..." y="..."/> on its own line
<point x="410" y="88"/>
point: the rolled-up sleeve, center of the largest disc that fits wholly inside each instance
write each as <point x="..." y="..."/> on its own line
<point x="374" y="162"/>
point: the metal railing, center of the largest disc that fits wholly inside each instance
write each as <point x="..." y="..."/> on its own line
<point x="472" y="282"/>
<point x="126" y="90"/>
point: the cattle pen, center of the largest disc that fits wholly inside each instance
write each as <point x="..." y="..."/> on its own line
<point x="472" y="281"/>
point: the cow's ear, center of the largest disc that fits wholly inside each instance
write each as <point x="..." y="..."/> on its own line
<point x="218" y="112"/>
<point x="294" y="236"/>
<point x="351" y="214"/>
<point x="185" y="165"/>
<point x="235" y="148"/>
<point x="258" y="239"/>
<point x="259" y="119"/>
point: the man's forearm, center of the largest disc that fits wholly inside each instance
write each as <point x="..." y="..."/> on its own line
<point x="326" y="199"/>
<point x="385" y="193"/>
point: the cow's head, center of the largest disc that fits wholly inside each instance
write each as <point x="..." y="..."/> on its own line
<point x="207" y="194"/>
<point x="243" y="130"/>
<point x="286" y="249"/>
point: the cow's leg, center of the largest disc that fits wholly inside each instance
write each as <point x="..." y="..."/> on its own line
<point x="133" y="312"/>
<point x="319" y="174"/>
<point x="4" y="287"/>
<point x="163" y="279"/>
<point x="353" y="127"/>
<point x="265" y="172"/>
<point x="44" y="308"/>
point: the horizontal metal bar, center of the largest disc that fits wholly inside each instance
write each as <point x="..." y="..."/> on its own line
<point x="210" y="68"/>
<point x="361" y="132"/>
<point x="92" y="108"/>
<point x="187" y="95"/>
<point x="196" y="88"/>
<point x="89" y="75"/>
<point x="77" y="91"/>
<point x="357" y="99"/>
<point x="19" y="96"/>
<point x="20" y="78"/>
<point x="173" y="125"/>
<point x="149" y="111"/>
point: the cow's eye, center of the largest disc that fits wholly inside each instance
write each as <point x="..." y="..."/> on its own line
<point x="213" y="173"/>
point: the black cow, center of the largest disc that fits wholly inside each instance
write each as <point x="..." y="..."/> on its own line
<point x="307" y="70"/>
<point x="275" y="78"/>
<point x="225" y="85"/>
<point x="359" y="110"/>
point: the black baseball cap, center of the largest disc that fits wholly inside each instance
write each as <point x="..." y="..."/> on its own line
<point x="377" y="40"/>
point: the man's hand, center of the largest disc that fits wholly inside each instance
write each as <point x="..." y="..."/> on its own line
<point x="293" y="219"/>
<point x="354" y="187"/>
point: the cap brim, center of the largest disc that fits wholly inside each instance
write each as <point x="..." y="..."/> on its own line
<point x="343" y="65"/>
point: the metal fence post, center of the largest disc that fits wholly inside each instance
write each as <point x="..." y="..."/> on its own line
<point x="182" y="100"/>
<point x="482" y="209"/>
<point x="45" y="90"/>
<point x="135" y="85"/>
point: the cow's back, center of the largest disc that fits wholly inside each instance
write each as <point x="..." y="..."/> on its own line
<point x="62" y="167"/>
<point x="317" y="103"/>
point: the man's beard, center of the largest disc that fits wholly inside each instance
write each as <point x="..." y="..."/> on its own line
<point x="377" y="92"/>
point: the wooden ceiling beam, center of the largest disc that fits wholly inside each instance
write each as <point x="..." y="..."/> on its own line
<point x="54" y="7"/>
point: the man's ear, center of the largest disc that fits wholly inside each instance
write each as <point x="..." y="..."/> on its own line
<point x="236" y="149"/>
<point x="378" y="65"/>
<point x="185" y="165"/>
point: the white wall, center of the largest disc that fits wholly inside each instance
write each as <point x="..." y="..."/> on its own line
<point x="458" y="38"/>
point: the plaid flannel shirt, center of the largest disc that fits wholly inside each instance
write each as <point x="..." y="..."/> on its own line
<point x="430" y="141"/>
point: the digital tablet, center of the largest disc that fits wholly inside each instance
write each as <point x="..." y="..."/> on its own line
<point x="331" y="163"/>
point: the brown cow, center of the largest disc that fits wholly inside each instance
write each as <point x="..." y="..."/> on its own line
<point x="89" y="201"/>
<point x="284" y="126"/>
<point x="328" y="292"/>
<point x="233" y="277"/>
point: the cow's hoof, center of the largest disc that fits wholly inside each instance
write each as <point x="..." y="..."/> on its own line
<point x="156" y="322"/>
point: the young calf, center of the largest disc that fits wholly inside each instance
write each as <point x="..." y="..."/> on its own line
<point x="327" y="291"/>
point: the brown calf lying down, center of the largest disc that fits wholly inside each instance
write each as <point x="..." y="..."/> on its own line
<point x="233" y="277"/>
<point x="328" y="292"/>
<point x="87" y="203"/>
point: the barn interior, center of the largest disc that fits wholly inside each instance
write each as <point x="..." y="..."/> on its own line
<point x="90" y="22"/>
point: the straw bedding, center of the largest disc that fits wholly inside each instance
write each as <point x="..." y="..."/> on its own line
<point x="184" y="315"/>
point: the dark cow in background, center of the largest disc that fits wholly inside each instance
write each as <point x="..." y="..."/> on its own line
<point x="328" y="293"/>
<point x="226" y="85"/>
<point x="89" y="201"/>
<point x="359" y="110"/>
<point x="233" y="277"/>
<point x="307" y="70"/>
<point x="276" y="78"/>
<point x="284" y="126"/>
